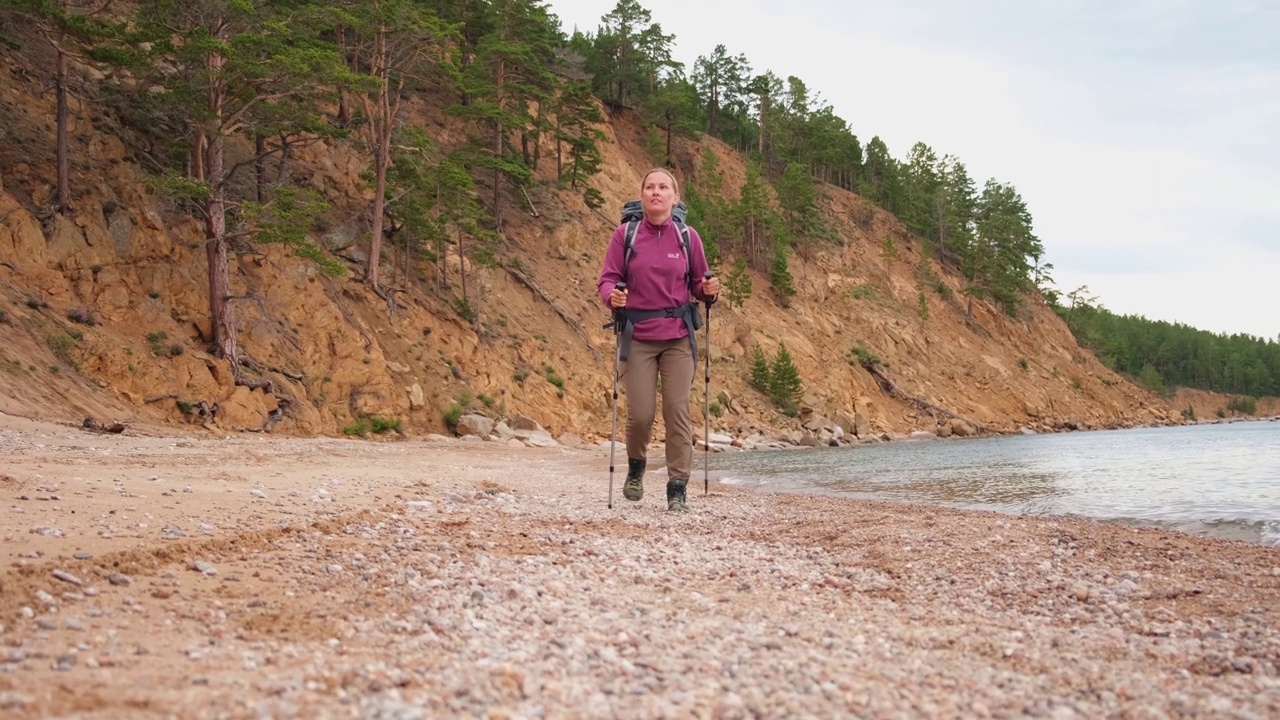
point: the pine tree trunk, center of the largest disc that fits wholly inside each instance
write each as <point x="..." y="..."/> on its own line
<point x="668" y="158"/>
<point x="381" y="159"/>
<point x="221" y="316"/>
<point x="260" y="165"/>
<point x="713" y="108"/>
<point x="440" y="246"/>
<point x="198" y="148"/>
<point x="63" y="159"/>
<point x="537" y="140"/>
<point x="462" y="266"/>
<point x="344" y="103"/>
<point x="764" y="108"/>
<point x="559" y="152"/>
<point x="497" y="155"/>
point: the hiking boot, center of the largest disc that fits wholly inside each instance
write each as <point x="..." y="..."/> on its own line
<point x="675" y="494"/>
<point x="633" y="488"/>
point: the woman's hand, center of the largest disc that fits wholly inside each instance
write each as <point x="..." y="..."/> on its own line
<point x="617" y="298"/>
<point x="711" y="287"/>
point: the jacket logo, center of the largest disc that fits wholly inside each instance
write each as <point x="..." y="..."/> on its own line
<point x="674" y="256"/>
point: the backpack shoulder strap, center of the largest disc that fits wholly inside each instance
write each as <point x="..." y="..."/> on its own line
<point x="629" y="247"/>
<point x="688" y="258"/>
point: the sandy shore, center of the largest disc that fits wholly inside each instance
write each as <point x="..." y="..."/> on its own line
<point x="163" y="575"/>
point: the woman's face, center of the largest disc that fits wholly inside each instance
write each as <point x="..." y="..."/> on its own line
<point x="659" y="193"/>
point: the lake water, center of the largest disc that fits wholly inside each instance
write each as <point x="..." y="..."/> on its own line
<point x="1219" y="480"/>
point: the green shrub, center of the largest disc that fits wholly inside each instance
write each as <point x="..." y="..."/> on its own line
<point x="60" y="344"/>
<point x="1243" y="405"/>
<point x="889" y="248"/>
<point x="464" y="309"/>
<point x="554" y="379"/>
<point x="860" y="354"/>
<point x="452" y="416"/>
<point x="864" y="291"/>
<point x="381" y="425"/>
<point x="360" y="427"/>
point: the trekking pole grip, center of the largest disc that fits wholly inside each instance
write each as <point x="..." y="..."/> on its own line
<point x="619" y="314"/>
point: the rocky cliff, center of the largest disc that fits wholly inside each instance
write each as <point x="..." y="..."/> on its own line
<point x="105" y="310"/>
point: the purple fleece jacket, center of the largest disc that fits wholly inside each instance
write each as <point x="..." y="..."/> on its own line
<point x="656" y="275"/>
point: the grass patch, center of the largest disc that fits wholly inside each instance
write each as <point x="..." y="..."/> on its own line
<point x="365" y="424"/>
<point x="60" y="344"/>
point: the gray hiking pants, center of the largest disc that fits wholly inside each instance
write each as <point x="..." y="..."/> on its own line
<point x="673" y="361"/>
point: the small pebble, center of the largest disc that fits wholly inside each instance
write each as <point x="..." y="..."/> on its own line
<point x="67" y="577"/>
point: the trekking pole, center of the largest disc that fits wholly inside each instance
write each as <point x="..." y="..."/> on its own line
<point x="706" y="403"/>
<point x="619" y="319"/>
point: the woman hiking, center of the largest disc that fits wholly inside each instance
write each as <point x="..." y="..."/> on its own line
<point x="655" y="282"/>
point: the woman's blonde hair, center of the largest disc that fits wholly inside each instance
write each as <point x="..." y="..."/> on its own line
<point x="675" y="184"/>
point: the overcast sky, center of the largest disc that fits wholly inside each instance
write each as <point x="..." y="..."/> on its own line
<point x="1143" y="134"/>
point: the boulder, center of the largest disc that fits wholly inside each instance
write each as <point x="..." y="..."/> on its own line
<point x="861" y="427"/>
<point x="416" y="398"/>
<point x="537" y="438"/>
<point x="245" y="409"/>
<point x="502" y="431"/>
<point x="477" y="425"/>
<point x="816" y="422"/>
<point x="524" y="422"/>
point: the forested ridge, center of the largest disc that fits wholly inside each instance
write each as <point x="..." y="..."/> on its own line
<point x="202" y="75"/>
<point x="1164" y="356"/>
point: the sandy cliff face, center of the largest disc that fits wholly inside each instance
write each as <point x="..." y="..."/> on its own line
<point x="335" y="352"/>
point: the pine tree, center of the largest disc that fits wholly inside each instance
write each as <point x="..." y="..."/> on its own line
<point x="737" y="287"/>
<point x="761" y="374"/>
<point x="576" y="117"/>
<point x="391" y="43"/>
<point x="721" y="81"/>
<point x="67" y="25"/>
<point x="673" y="107"/>
<point x="779" y="274"/>
<point x="222" y="64"/>
<point x="510" y="73"/>
<point x="785" y="386"/>
<point x="798" y="200"/>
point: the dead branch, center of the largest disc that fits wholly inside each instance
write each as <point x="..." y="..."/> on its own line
<point x="158" y="398"/>
<point x="873" y="367"/>
<point x="532" y="210"/>
<point x="93" y="425"/>
<point x="533" y="287"/>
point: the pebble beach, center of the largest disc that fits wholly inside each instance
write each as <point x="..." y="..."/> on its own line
<point x="163" y="575"/>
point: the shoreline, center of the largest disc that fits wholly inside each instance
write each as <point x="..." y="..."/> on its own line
<point x="310" y="577"/>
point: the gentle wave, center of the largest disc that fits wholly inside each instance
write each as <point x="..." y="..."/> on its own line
<point x="1216" y="480"/>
